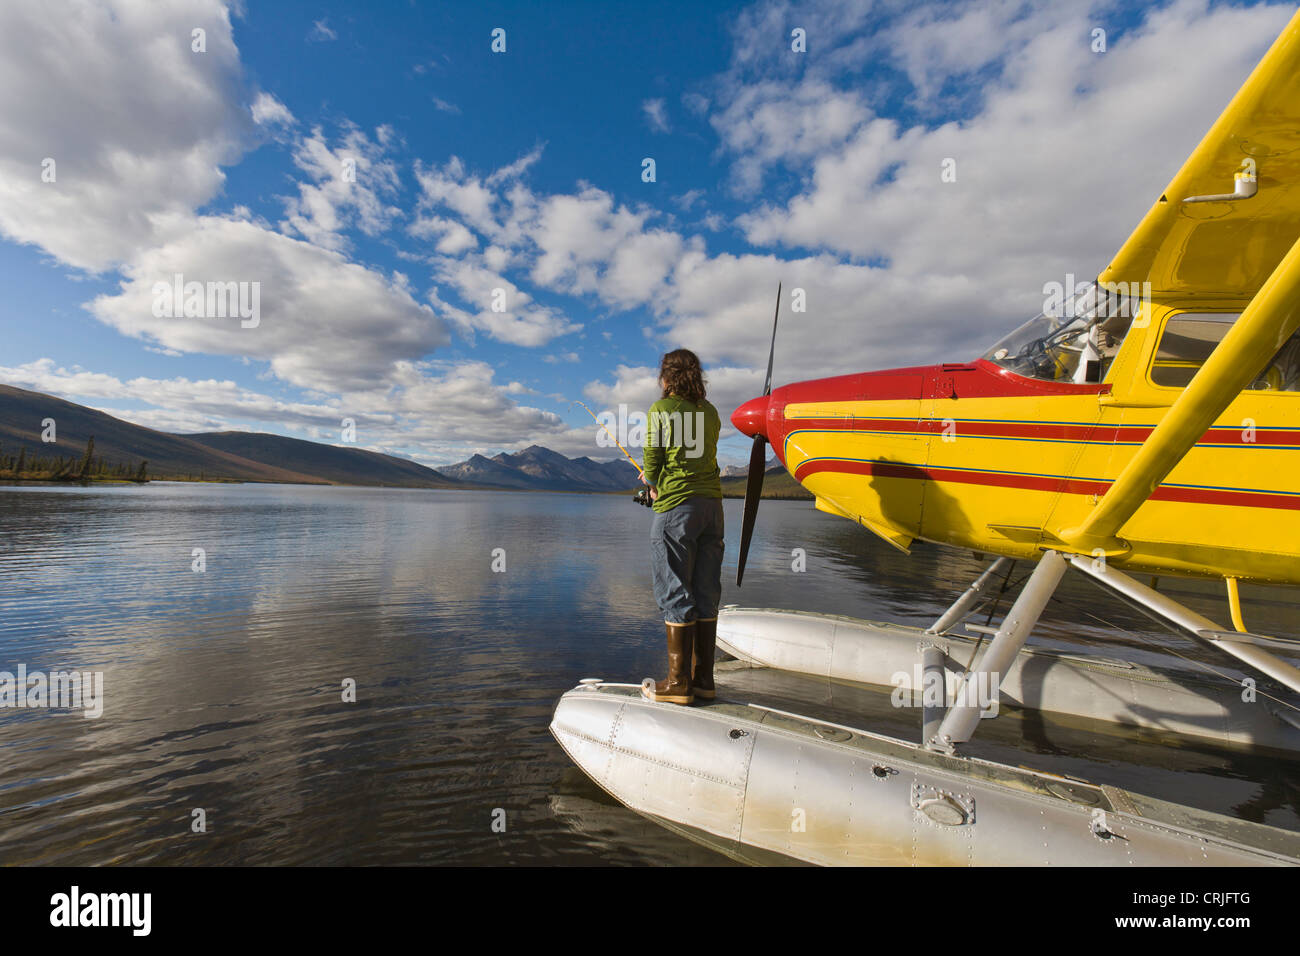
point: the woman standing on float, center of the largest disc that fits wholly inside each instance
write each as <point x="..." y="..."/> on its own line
<point x="681" y="468"/>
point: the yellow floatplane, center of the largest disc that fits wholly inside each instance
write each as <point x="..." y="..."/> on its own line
<point x="1146" y="424"/>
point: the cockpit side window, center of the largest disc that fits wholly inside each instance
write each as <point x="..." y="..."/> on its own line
<point x="1189" y="338"/>
<point x="1076" y="343"/>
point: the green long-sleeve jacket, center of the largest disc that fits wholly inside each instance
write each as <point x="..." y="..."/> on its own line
<point x="681" y="451"/>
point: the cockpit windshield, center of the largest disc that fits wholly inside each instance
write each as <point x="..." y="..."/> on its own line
<point x="1073" y="341"/>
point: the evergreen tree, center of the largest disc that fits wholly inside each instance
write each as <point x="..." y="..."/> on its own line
<point x="88" y="460"/>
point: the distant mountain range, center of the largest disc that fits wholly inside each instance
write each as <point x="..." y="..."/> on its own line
<point x="255" y="456"/>
<point x="541" y="469"/>
<point x="742" y="471"/>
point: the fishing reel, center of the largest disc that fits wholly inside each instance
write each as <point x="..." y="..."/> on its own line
<point x="642" y="497"/>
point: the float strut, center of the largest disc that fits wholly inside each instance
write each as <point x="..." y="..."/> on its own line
<point x="964" y="715"/>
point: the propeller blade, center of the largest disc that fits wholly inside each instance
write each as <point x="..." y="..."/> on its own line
<point x="757" y="460"/>
<point x="753" y="492"/>
<point x="771" y="352"/>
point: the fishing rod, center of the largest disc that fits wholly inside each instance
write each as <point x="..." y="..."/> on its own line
<point x="612" y="438"/>
<point x="642" y="497"/>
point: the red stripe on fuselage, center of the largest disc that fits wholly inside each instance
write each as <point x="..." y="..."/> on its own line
<point x="1049" y="483"/>
<point x="1037" y="431"/>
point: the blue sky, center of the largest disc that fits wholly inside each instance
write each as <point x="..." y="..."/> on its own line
<point x="522" y="171"/>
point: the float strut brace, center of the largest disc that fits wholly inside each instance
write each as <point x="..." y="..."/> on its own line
<point x="962" y="606"/>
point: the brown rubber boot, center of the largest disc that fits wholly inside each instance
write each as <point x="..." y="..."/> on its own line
<point x="677" y="688"/>
<point x="706" y="636"/>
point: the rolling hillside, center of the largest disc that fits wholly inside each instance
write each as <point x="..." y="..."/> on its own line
<point x="777" y="483"/>
<point x="344" y="466"/>
<point x="240" y="456"/>
<point x="22" y="413"/>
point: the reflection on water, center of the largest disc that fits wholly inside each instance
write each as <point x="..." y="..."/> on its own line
<point x="223" y="687"/>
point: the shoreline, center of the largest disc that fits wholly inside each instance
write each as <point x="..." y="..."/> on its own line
<point x="27" y="480"/>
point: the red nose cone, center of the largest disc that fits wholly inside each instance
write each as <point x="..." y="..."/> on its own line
<point x="751" y="418"/>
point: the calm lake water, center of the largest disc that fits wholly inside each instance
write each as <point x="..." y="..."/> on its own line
<point x="223" y="688"/>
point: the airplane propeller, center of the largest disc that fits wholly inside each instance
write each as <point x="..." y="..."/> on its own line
<point x="757" y="461"/>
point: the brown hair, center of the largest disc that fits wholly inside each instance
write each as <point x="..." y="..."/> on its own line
<point x="682" y="376"/>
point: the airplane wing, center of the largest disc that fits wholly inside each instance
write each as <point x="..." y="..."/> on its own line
<point x="1229" y="245"/>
